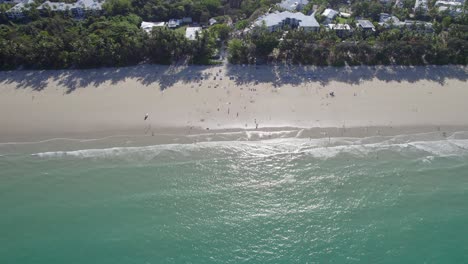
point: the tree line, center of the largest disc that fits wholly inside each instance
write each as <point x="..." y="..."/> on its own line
<point x="58" y="42"/>
<point x="389" y="46"/>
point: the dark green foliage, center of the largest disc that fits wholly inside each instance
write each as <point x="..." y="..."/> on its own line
<point x="203" y="48"/>
<point x="165" y="46"/>
<point x="115" y="38"/>
<point x="221" y="31"/>
<point x="57" y="42"/>
<point x="264" y="42"/>
<point x="325" y="48"/>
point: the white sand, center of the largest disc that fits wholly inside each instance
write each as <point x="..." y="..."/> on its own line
<point x="109" y="101"/>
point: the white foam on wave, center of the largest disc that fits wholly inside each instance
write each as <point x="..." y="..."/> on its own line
<point x="271" y="134"/>
<point x="323" y="148"/>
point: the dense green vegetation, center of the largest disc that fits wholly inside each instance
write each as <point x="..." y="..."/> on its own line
<point x="395" y="46"/>
<point x="447" y="44"/>
<point x="115" y="41"/>
<point x="114" y="38"/>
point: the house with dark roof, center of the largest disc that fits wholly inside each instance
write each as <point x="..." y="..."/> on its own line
<point x="365" y="25"/>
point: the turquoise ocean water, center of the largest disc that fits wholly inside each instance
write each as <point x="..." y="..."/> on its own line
<point x="283" y="200"/>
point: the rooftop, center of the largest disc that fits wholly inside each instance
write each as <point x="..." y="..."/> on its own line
<point x="366" y="24"/>
<point x="21" y="5"/>
<point x="191" y="32"/>
<point x="148" y="26"/>
<point x="339" y="27"/>
<point x="293" y="5"/>
<point x="330" y="13"/>
<point x="274" y="19"/>
<point x="61" y="6"/>
<point x="387" y="18"/>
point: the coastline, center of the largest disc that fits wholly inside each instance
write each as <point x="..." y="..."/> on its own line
<point x="368" y="101"/>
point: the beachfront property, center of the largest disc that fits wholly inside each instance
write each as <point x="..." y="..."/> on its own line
<point x="192" y="32"/>
<point x="389" y="21"/>
<point x="278" y="20"/>
<point x="148" y="26"/>
<point x="17" y="11"/>
<point x="365" y="25"/>
<point x="293" y="5"/>
<point x="341" y="30"/>
<point x="78" y="9"/>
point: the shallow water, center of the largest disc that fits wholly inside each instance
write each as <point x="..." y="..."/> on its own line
<point x="286" y="200"/>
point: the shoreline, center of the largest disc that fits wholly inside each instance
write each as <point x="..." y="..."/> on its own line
<point x="32" y="144"/>
<point x="39" y="105"/>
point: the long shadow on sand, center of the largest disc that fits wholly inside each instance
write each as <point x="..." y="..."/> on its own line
<point x="276" y="75"/>
<point x="163" y="76"/>
<point x="296" y="75"/>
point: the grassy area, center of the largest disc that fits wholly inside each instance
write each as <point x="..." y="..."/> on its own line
<point x="182" y="29"/>
<point x="342" y="20"/>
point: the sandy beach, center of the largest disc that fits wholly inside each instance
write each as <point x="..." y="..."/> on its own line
<point x="38" y="105"/>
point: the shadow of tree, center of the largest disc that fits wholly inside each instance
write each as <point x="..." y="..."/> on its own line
<point x="279" y="75"/>
<point x="275" y="75"/>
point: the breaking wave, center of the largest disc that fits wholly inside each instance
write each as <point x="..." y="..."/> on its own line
<point x="428" y="144"/>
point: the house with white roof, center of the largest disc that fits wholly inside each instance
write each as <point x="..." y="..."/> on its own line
<point x="191" y="32"/>
<point x="17" y="11"/>
<point x="212" y="21"/>
<point x="451" y="7"/>
<point x="293" y="5"/>
<point x="341" y="30"/>
<point x="148" y="26"/>
<point x="345" y="15"/>
<point x="421" y="6"/>
<point x="276" y="21"/>
<point x="330" y="14"/>
<point x="173" y="23"/>
<point x="78" y="9"/>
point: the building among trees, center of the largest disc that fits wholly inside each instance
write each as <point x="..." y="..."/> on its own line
<point x="17" y="11"/>
<point x="78" y="9"/>
<point x="293" y="5"/>
<point x="365" y="25"/>
<point x="278" y="20"/>
<point x="192" y="32"/>
<point x="148" y="26"/>
<point x="329" y="14"/>
<point x="341" y="30"/>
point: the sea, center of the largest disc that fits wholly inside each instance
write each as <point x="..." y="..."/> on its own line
<point x="275" y="199"/>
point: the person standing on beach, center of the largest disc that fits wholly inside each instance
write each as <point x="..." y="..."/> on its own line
<point x="146" y="116"/>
